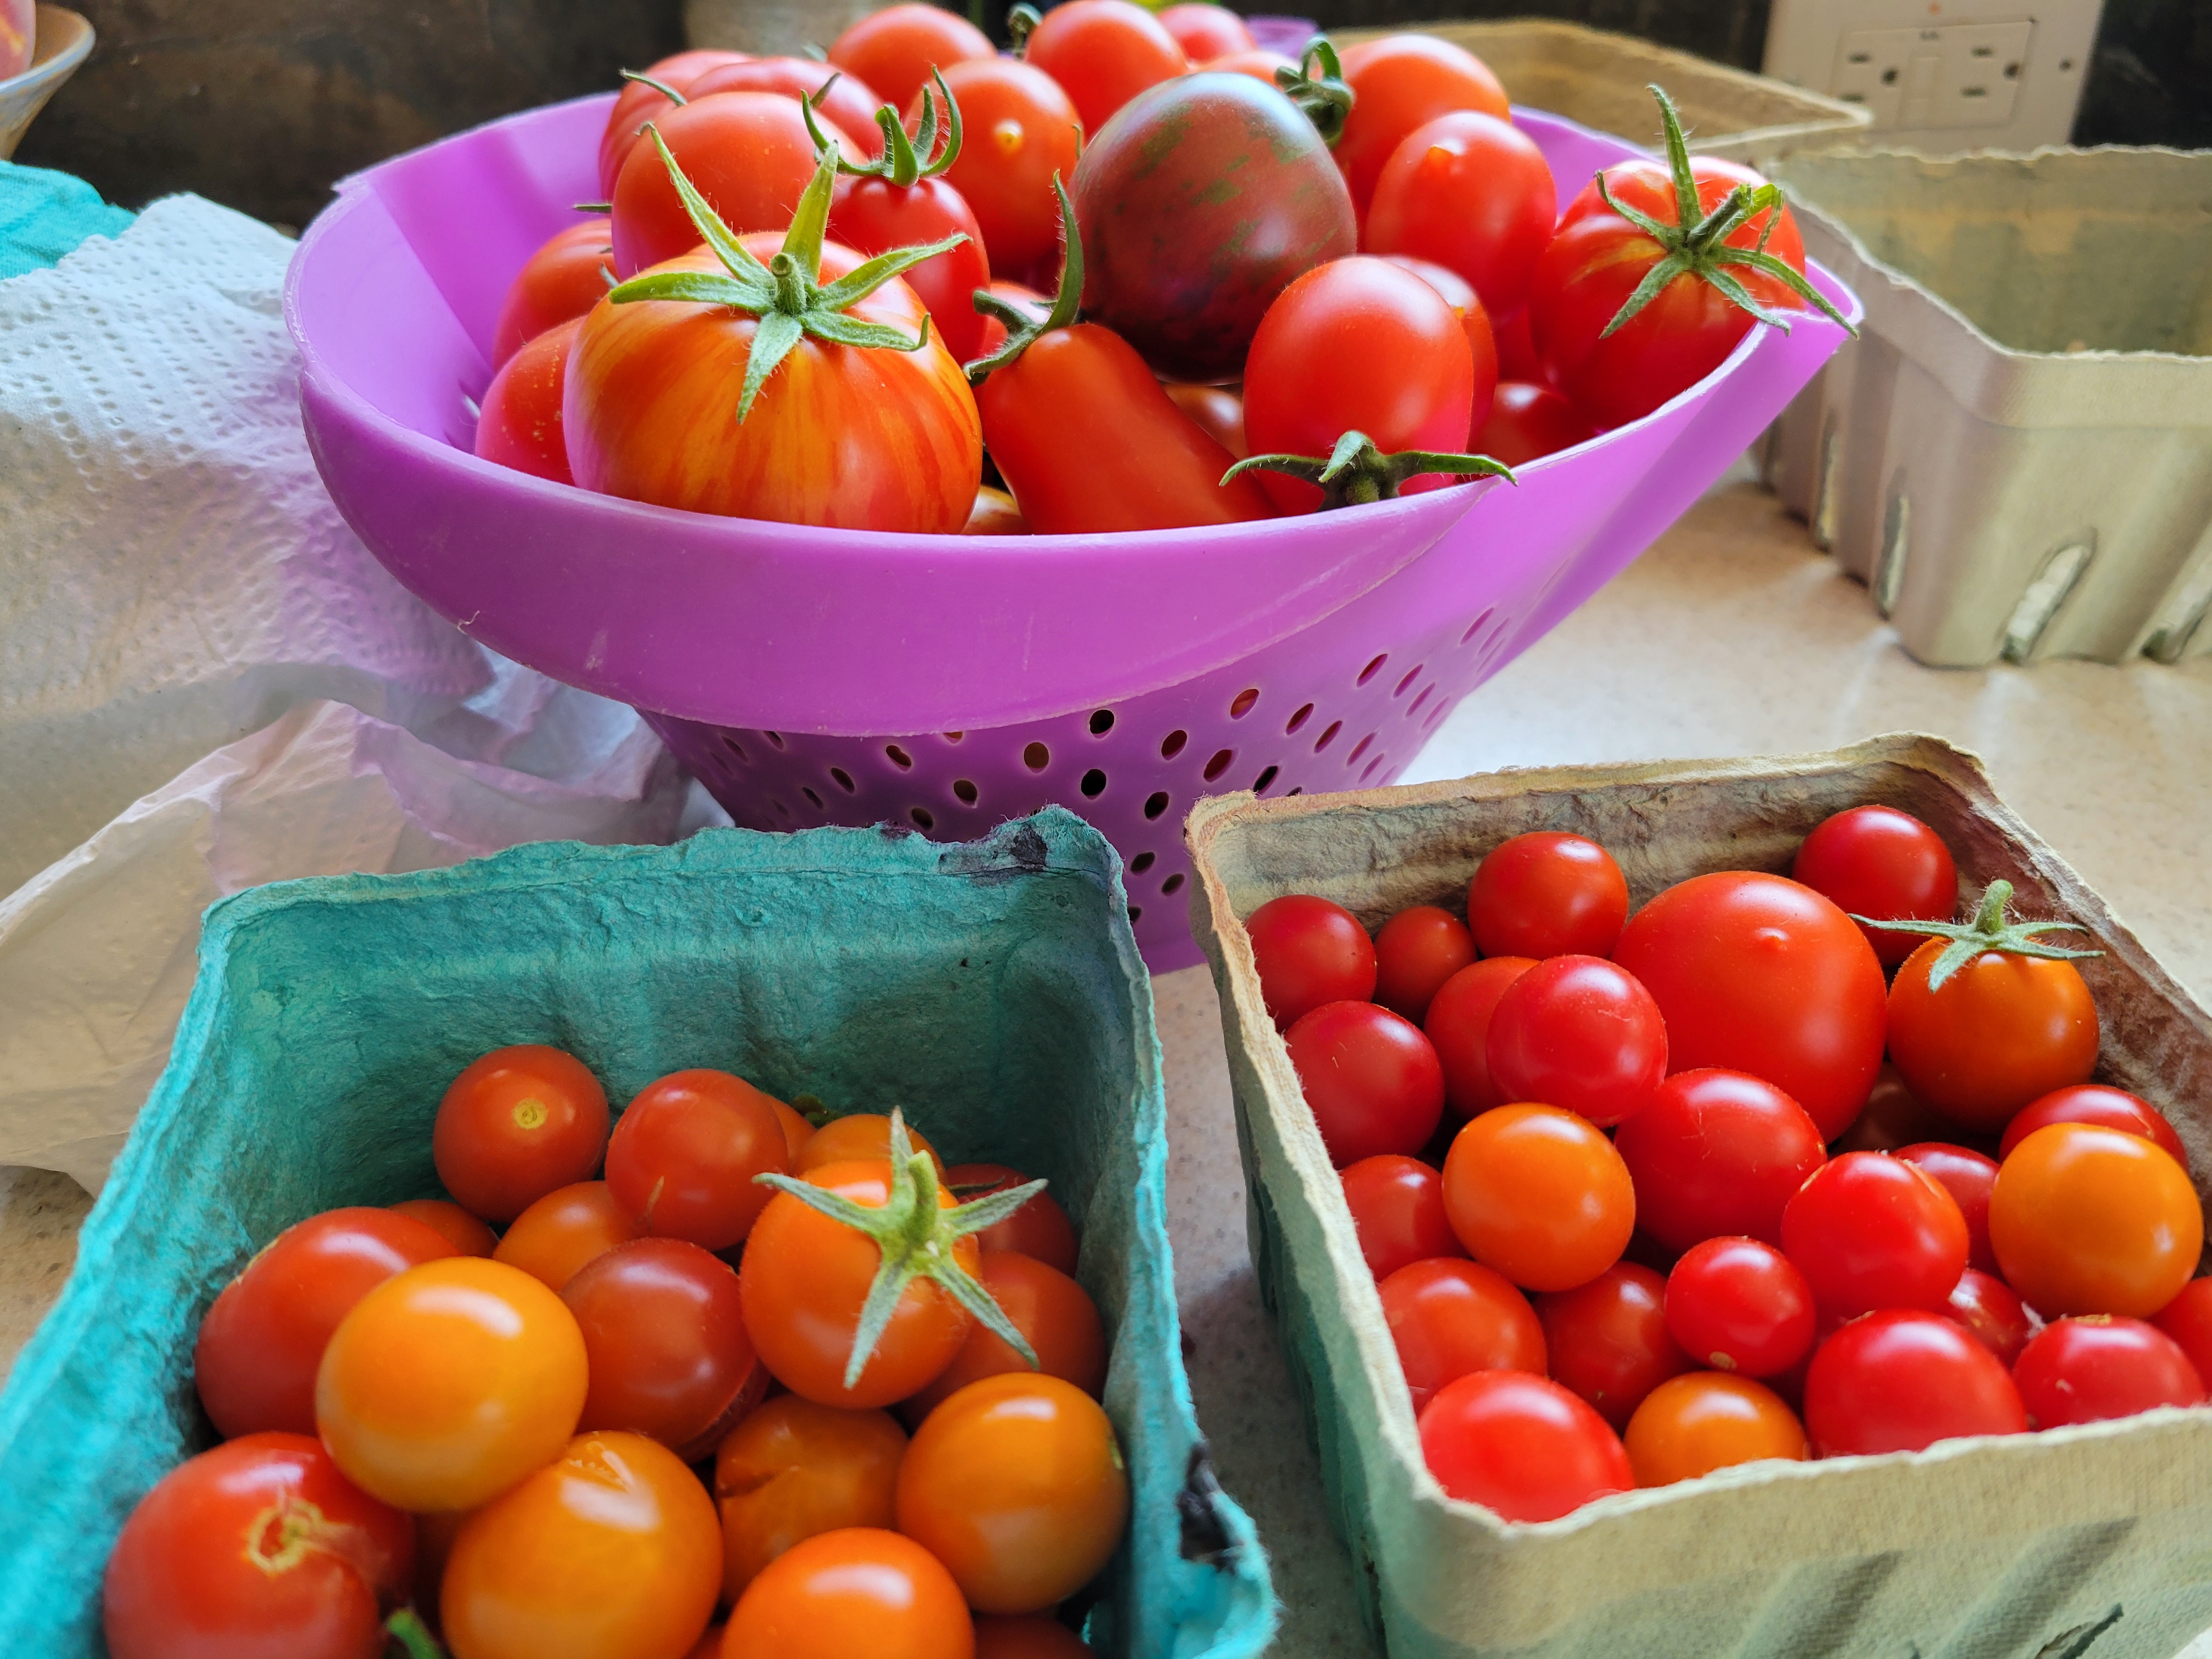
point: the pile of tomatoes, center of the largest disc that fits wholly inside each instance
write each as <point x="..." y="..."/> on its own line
<point x="1642" y="1200"/>
<point x="817" y="292"/>
<point x="583" y="1435"/>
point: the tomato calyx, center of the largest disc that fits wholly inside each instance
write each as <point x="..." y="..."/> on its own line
<point x="1988" y="931"/>
<point x="785" y="294"/>
<point x="1023" y="330"/>
<point x="660" y="87"/>
<point x="1356" y="472"/>
<point x="1318" y="88"/>
<point x="905" y="162"/>
<point x="1020" y="20"/>
<point x="405" y="1626"/>
<point x="915" y="1236"/>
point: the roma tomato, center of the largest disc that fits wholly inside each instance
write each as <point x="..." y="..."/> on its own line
<point x="641" y="100"/>
<point x="1205" y="32"/>
<point x="1757" y="974"/>
<point x="516" y="1124"/>
<point x="1547" y="894"/>
<point x="1607" y="1340"/>
<point x="1472" y="192"/>
<point x="1309" y="951"/>
<point x="1021" y="133"/>
<point x="1869" y="1232"/>
<point x="1579" y="1032"/>
<point x="1691" y="1425"/>
<point x="1397" y="1205"/>
<point x="1417" y="950"/>
<point x="1372" y="1080"/>
<point x="2089" y="1370"/>
<point x="451" y="1223"/>
<point x="1458" y="1025"/>
<point x="1993" y="1314"/>
<point x="1538" y="1194"/>
<point x="1051" y="1309"/>
<point x="1481" y="343"/>
<point x="2099" y="1103"/>
<point x="565" y="278"/>
<point x="1039" y="1230"/>
<point x="1717" y="1153"/>
<point x="748" y="153"/>
<point x="1400" y="82"/>
<point x="1528" y="423"/>
<point x="255" y="1358"/>
<point x="1901" y="1380"/>
<point x="1738" y="1305"/>
<point x="1967" y="1176"/>
<point x="664" y="1337"/>
<point x="518" y="422"/>
<point x="860" y="1589"/>
<point x="682" y="1158"/>
<point x="1521" y="1446"/>
<point x="1877" y="861"/>
<point x="1104" y="52"/>
<point x="792" y="1470"/>
<point x="893" y="51"/>
<point x="2090" y="1220"/>
<point x="554" y="1238"/>
<point x="260" y="1549"/>
<point x="858" y="1137"/>
<point x="846" y="101"/>
<point x="2188" y="1319"/>
<point x="1032" y="1637"/>
<point x="1449" y="1317"/>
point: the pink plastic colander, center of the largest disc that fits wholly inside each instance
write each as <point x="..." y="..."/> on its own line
<point x="945" y="684"/>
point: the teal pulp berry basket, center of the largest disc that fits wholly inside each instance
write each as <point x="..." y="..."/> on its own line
<point x="993" y="988"/>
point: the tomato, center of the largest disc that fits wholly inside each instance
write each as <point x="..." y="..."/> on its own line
<point x="1716" y="1154"/>
<point x="1521" y="1446"/>
<point x="1417" y="950"/>
<point x="1581" y="1033"/>
<point x="609" y="1552"/>
<point x="1035" y="306"/>
<point x="894" y="50"/>
<point x="260" y="1549"/>
<point x="2188" y="1319"/>
<point x="2000" y="1033"/>
<point x="1370" y="1079"/>
<point x="1516" y="354"/>
<point x="1481" y="344"/>
<point x="1309" y="951"/>
<point x="1538" y="1195"/>
<point x="1032" y="1637"/>
<point x="1472" y="192"/>
<point x="666" y="1339"/>
<point x="1016" y="1483"/>
<point x="1893" y="1120"/>
<point x="995" y="513"/>
<point x="1967" y="1176"/>
<point x="1400" y="82"/>
<point x="2088" y="1370"/>
<point x="709" y="1645"/>
<point x="1738" y="1305"/>
<point x="1206" y="198"/>
<point x="1449" y="1317"/>
<point x="748" y="153"/>
<point x="435" y="1534"/>
<point x="1259" y="62"/>
<point x="518" y="422"/>
<point x="2099" y="1103"/>
<point x="1205" y="32"/>
<point x="447" y="1385"/>
<point x="1689" y="1426"/>
<point x="1022" y="133"/>
<point x="1901" y="1380"/>
<point x="1397" y="1205"/>
<point x="1458" y="1025"/>
<point x="1218" y="412"/>
<point x="1104" y="52"/>
<point x="1039" y="1230"/>
<point x="1877" y="861"/>
<point x="1869" y="1232"/>
<point x="683" y="1157"/>
<point x="640" y="100"/>
<point x="1648" y="183"/>
<point x="1757" y="974"/>
<point x="255" y="1358"/>
<point x="858" y="1137"/>
<point x="847" y="106"/>
<point x="860" y="1589"/>
<point x="792" y="1470"/>
<point x="564" y="279"/>
<point x="2090" y="1220"/>
<point x="1528" y="423"/>
<point x="451" y="1223"/>
<point x="1051" y="1309"/>
<point x="515" y="1125"/>
<point x="1992" y="1314"/>
<point x="555" y="1237"/>
<point x="1547" y="894"/>
<point x="1607" y="1340"/>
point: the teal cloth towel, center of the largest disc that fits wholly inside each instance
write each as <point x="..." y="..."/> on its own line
<point x="44" y="215"/>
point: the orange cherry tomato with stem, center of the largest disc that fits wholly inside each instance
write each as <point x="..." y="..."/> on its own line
<point x="554" y="1238"/>
<point x="792" y="1469"/>
<point x="1040" y="1229"/>
<point x="515" y="1125"/>
<point x="860" y="1589"/>
<point x="568" y="275"/>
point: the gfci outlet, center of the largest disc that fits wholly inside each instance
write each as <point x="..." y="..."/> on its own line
<point x="1942" y="75"/>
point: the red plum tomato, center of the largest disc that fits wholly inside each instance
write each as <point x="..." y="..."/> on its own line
<point x="516" y="1124"/>
<point x="1309" y="951"/>
<point x="2090" y="1220"/>
<point x="1877" y="861"/>
<point x="1967" y="1176"/>
<point x="1578" y="1032"/>
<point x="1370" y="1079"/>
<point x="1868" y="1231"/>
<point x="748" y="153"/>
<point x="1472" y="192"/>
<point x="2099" y="1103"/>
<point x="1521" y="1446"/>
<point x="683" y="1157"/>
<point x="1400" y="82"/>
<point x="1451" y="1316"/>
<point x="664" y="1337"/>
<point x="1607" y="1340"/>
<point x="1547" y="894"/>
<point x="1104" y="52"/>
<point x="1205" y="32"/>
<point x="519" y="420"/>
<point x="1738" y="1305"/>
<point x="1716" y="1153"/>
<point x="1397" y="1205"/>
<point x="1415" y="953"/>
<point x="1458" y="1025"/>
<point x="1020" y="130"/>
<point x="565" y="278"/>
<point x="892" y="51"/>
<point x="1900" y="1380"/>
<point x="1993" y="1313"/>
<point x="1540" y="1194"/>
<point x="1528" y="423"/>
<point x="2090" y="1369"/>
<point x="2001" y="1032"/>
<point x="1039" y="1230"/>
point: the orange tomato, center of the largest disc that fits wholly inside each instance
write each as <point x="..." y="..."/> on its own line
<point x="447" y="1384"/>
<point x="610" y="1552"/>
<point x="564" y="1229"/>
<point x="1692" y="1425"/>
<point x="1016" y="1483"/>
<point x="858" y="1590"/>
<point x="794" y="1469"/>
<point x="2089" y="1220"/>
<point x="1540" y="1195"/>
<point x="1040" y="1228"/>
<point x="859" y="1137"/>
<point x="1048" y="1308"/>
<point x="1033" y="1638"/>
<point x="515" y="1125"/>
<point x="455" y="1224"/>
<point x="2003" y="1031"/>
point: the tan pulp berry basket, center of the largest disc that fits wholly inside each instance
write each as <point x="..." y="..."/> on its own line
<point x="1988" y="1549"/>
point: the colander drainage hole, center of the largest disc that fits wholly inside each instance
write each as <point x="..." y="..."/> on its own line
<point x="1136" y="915"/>
<point x="1260" y="784"/>
<point x="1094" y="782"/>
<point x="1475" y="626"/>
<point x="899" y="757"/>
<point x="1139" y="864"/>
<point x="923" y="817"/>
<point x="1036" y="757"/>
<point x="1328" y="737"/>
<point x="1172" y="883"/>
<point x="774" y="738"/>
<point x="842" y="779"/>
<point x="965" y="790"/>
<point x="1171" y="745"/>
<point x="737" y="749"/>
<point x="1412" y="674"/>
<point x="1219" y="764"/>
<point x="1156" y="803"/>
<point x="1372" y="768"/>
<point x="1419" y="698"/>
<point x="1358" y="749"/>
<point x="1372" y="669"/>
<point x="1102" y="722"/>
<point x="811" y="797"/>
<point x="1242" y="705"/>
<point x="1304" y="714"/>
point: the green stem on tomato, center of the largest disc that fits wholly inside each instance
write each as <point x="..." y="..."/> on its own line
<point x="405" y="1628"/>
<point x="660" y="87"/>
<point x="905" y="162"/>
<point x="1356" y="471"/>
<point x="1020" y="20"/>
<point x="1988" y="931"/>
<point x="1022" y="330"/>
<point x="1317" y="87"/>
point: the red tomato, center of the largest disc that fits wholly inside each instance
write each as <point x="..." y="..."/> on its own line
<point x="1205" y="32"/>
<point x="1516" y="354"/>
<point x="1691" y="1425"/>
<point x="1521" y="1446"/>
<point x="640" y="101"/>
<point x="1310" y="951"/>
<point x="257" y="1550"/>
<point x="875" y="215"/>
<point x="254" y="1362"/>
<point x="1739" y="1305"/>
<point x="1472" y="192"/>
<point x="1104" y="52"/>
<point x="518" y="422"/>
<point x="1460" y="296"/>
<point x="1993" y="1314"/>
<point x="1397" y="1205"/>
<point x="565" y="278"/>
<point x="1400" y="82"/>
<point x="1054" y="1313"/>
<point x="1032" y="1637"/>
<point x="792" y="1470"/>
<point x="2086" y="1370"/>
<point x="1451" y="1316"/>
<point x="666" y="1339"/>
<point x="553" y="1239"/>
<point x="860" y="1589"/>
<point x="748" y="153"/>
<point x="1715" y="1154"/>
<point x="1900" y="1380"/>
<point x="1607" y="1340"/>
<point x="1028" y="300"/>
<point x="1022" y="131"/>
<point x="848" y="107"/>
<point x="2087" y="1220"/>
<point x="1417" y="950"/>
<point x="1760" y="974"/>
<point x="2099" y="1104"/>
<point x="1528" y="423"/>
<point x="892" y="51"/>
<point x="451" y="1223"/>
<point x="1039" y="1230"/>
<point x="1370" y="1078"/>
<point x="1869" y="1232"/>
<point x="1218" y="411"/>
<point x="1538" y="1194"/>
<point x="1878" y="861"/>
<point x="1581" y="1033"/>
<point x="683" y="1157"/>
<point x="2188" y="1319"/>
<point x="1458" y="1025"/>
<point x="1259" y="62"/>
<point x="516" y="1124"/>
<point x="1967" y="1176"/>
<point x="1547" y="894"/>
<point x="2003" y="1031"/>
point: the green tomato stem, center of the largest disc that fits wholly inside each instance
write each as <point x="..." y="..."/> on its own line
<point x="1356" y="471"/>
<point x="406" y="1628"/>
<point x="1989" y="931"/>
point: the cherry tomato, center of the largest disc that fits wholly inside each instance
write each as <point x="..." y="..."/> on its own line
<point x="683" y="1157"/>
<point x="2003" y="1031"/>
<point x="1218" y="412"/>
<point x="1992" y="1314"/>
<point x="1054" y="1313"/>
<point x="1738" y="1305"/>
<point x="1205" y="32"/>
<point x="1607" y="1340"/>
<point x="1459" y="294"/>
<point x="1458" y="1025"/>
<point x="1039" y="1230"/>
<point x="1878" y="861"/>
<point x="893" y="50"/>
<point x="1894" y="1119"/>
<point x="1016" y="1483"/>
<point x="1528" y="423"/>
<point x="1417" y="950"/>
<point x="1397" y="1205"/>
<point x="1690" y="1425"/>
<point x="565" y="278"/>
<point x="2088" y="1370"/>
<point x="518" y="423"/>
<point x="2090" y="1220"/>
<point x="1538" y="1195"/>
<point x="2099" y="1104"/>
<point x="1967" y="1176"/>
<point x="1310" y="951"/>
<point x="447" y="1385"/>
<point x="709" y="1645"/>
<point x="555" y="1238"/>
<point x="451" y="1223"/>
<point x="1521" y="1446"/>
<point x="1451" y="1316"/>
<point x="874" y="215"/>
<point x="1400" y="82"/>
<point x="1023" y="298"/>
<point x="860" y="1589"/>
<point x="748" y="153"/>
<point x="608" y="1552"/>
<point x="260" y="1549"/>
<point x="1517" y="353"/>
<point x="1900" y="1380"/>
<point x="666" y="1342"/>
<point x="1868" y="1231"/>
<point x="1757" y="974"/>
<point x="1547" y="894"/>
<point x="1716" y="1154"/>
<point x="2188" y="1319"/>
<point x="796" y="1131"/>
<point x="516" y="1124"/>
<point x="847" y="107"/>
<point x="1471" y="192"/>
<point x="1370" y="1078"/>
<point x="860" y="1137"/>
<point x="793" y="1470"/>
<point x="255" y="1358"/>
<point x="1259" y="62"/>
<point x="1581" y="1033"/>
<point x="1104" y="52"/>
<point x="640" y="101"/>
<point x="1021" y="132"/>
<point x="1033" y="1638"/>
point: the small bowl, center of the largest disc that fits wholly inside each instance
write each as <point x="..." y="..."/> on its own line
<point x="63" y="41"/>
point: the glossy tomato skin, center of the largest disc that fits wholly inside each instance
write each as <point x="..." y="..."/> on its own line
<point x="259" y="1549"/>
<point x="1481" y="342"/>
<point x="792" y="1470"/>
<point x="519" y="420"/>
<point x="1397" y="1205"/>
<point x="1471" y="192"/>
<point x="682" y="1158"/>
<point x="847" y="108"/>
<point x="1992" y="1313"/>
<point x="1754" y="973"/>
<point x="1691" y="1425"/>
<point x="255" y="1358"/>
<point x="1547" y="894"/>
<point x="2091" y="1220"/>
<point x="1039" y="1230"/>
<point x="1310" y="951"/>
<point x="665" y="1340"/>
<point x="1259" y="62"/>
<point x="1967" y="1176"/>
<point x="1738" y="1305"/>
<point x="1900" y="1380"/>
<point x="1607" y="1340"/>
<point x="859" y="1136"/>
<point x="1054" y="1313"/>
<point x="1538" y="1195"/>
<point x="2094" y="1102"/>
<point x="515" y="1125"/>
<point x="1105" y="52"/>
<point x="1870" y="1231"/>
<point x="1205" y="32"/>
<point x="1032" y="1637"/>
<point x="2188" y="1319"/>
<point x="1020" y="130"/>
<point x="2091" y="1369"/>
<point x="2003" y="1031"/>
<point x="1416" y="951"/>
<point x="748" y="153"/>
<point x="638" y="103"/>
<point x="1199" y="205"/>
<point x="892" y="51"/>
<point x="1218" y="411"/>
<point x="1521" y="1446"/>
<point x="1400" y="82"/>
<point x="1579" y="1032"/>
<point x="1877" y="861"/>
<point x="1528" y="423"/>
<point x="874" y="215"/>
<point x="560" y="282"/>
<point x="554" y="1238"/>
<point x="860" y="1589"/>
<point x="1458" y="1025"/>
<point x="451" y="1223"/>
<point x="1450" y="1316"/>
<point x="1370" y="1078"/>
<point x="1716" y="1153"/>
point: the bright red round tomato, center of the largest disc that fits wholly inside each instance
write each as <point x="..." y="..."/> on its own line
<point x="518" y="422"/>
<point x="1415" y="953"/>
<point x="1757" y="974"/>
<point x="847" y="107"/>
<point x="1547" y="894"/>
<point x="792" y="1469"/>
<point x="1521" y="1446"/>
<point x="665" y="1335"/>
<point x="1400" y="82"/>
<point x="858" y="1589"/>
<point x="1607" y="1340"/>
<point x="2003" y="1031"/>
<point x="1901" y="1380"/>
<point x="748" y="153"/>
<point x="1868" y="1231"/>
<point x="1370" y="1078"/>
<point x="1992" y="1313"/>
<point x="2088" y="1370"/>
<point x="1579" y="1032"/>
<point x="1039" y="1230"/>
<point x="1691" y="1425"/>
<point x="683" y="1157"/>
<point x="1540" y="1194"/>
<point x="565" y="278"/>
<point x="1051" y="1310"/>
<point x="892" y="51"/>
<point x="1020" y="131"/>
<point x="1309" y="951"/>
<point x="1967" y="1176"/>
<point x="516" y="1124"/>
<point x="1738" y="1305"/>
<point x="1397" y="1205"/>
<point x="1528" y="423"/>
<point x="1450" y="1316"/>
<point x="2091" y="1220"/>
<point x="640" y="101"/>
<point x="260" y="1549"/>
<point x="451" y="1223"/>
<point x="1471" y="192"/>
<point x="1458" y="1025"/>
<point x="2188" y="1319"/>
<point x="1716" y="1153"/>
<point x="1459" y="294"/>
<point x="1205" y="32"/>
<point x="1877" y="861"/>
<point x="553" y="1239"/>
<point x="2099" y="1104"/>
<point x="875" y="215"/>
<point x="1104" y="52"/>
